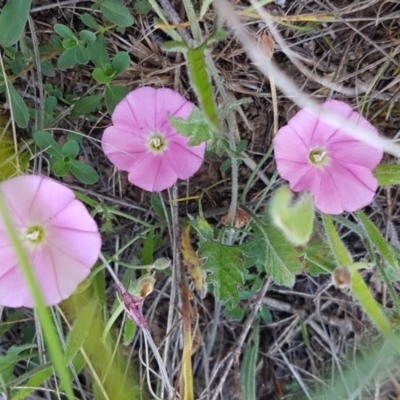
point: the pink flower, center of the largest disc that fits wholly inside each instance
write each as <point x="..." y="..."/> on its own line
<point x="336" y="168"/>
<point x="143" y="142"/>
<point x="60" y="238"/>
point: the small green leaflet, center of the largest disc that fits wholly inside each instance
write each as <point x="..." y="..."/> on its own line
<point x="19" y="108"/>
<point x="117" y="13"/>
<point x="195" y="127"/>
<point x="387" y="174"/>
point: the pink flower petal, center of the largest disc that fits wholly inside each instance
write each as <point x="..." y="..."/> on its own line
<point x="35" y="188"/>
<point x="121" y="146"/>
<point x="324" y="132"/>
<point x="151" y="173"/>
<point x="345" y="182"/>
<point x="288" y="145"/>
<point x="355" y="190"/>
<point x="141" y="114"/>
<point x="189" y="161"/>
<point x="13" y="288"/>
<point x="70" y="247"/>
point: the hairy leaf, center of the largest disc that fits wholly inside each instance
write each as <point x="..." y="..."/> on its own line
<point x="387" y="174"/>
<point x="227" y="267"/>
<point x="195" y="127"/>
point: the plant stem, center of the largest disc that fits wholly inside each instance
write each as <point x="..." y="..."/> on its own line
<point x="192" y="17"/>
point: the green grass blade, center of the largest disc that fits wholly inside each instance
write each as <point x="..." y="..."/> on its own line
<point x="248" y="369"/>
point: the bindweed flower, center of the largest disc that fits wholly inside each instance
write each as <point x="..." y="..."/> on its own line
<point x="315" y="156"/>
<point x="143" y="142"/>
<point x="60" y="238"/>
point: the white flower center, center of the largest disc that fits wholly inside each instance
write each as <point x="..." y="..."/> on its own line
<point x="319" y="157"/>
<point x="156" y="142"/>
<point x="33" y="235"/>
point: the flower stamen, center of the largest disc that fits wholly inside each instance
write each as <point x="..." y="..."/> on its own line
<point x="318" y="157"/>
<point x="157" y="143"/>
<point x="35" y="234"/>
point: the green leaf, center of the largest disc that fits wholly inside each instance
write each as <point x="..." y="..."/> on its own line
<point x="17" y="65"/>
<point x="318" y="257"/>
<point x="67" y="59"/>
<point x="114" y="94"/>
<point x="75" y="136"/>
<point x="196" y="127"/>
<point x="120" y="62"/>
<point x="102" y="76"/>
<point x="272" y="251"/>
<point x="8" y="361"/>
<point x="218" y="32"/>
<point x="82" y="54"/>
<point x="233" y="154"/>
<point x="294" y="218"/>
<point x="158" y="209"/>
<point x="98" y="54"/>
<point x="80" y="331"/>
<point x="90" y="22"/>
<point x="50" y="103"/>
<point x="197" y="69"/>
<point x="375" y="237"/>
<point x="46" y="142"/>
<point x="86" y="105"/>
<point x="19" y="109"/>
<point x="226" y="264"/>
<point x="387" y="174"/>
<point x="175" y="46"/>
<point x="70" y="148"/>
<point x="84" y="172"/>
<point x="87" y="36"/>
<point x="236" y="313"/>
<point x="204" y="8"/>
<point x="148" y="249"/>
<point x="368" y="303"/>
<point x="64" y="31"/>
<point x="225" y="165"/>
<point x="142" y="6"/>
<point x="48" y="69"/>
<point x="340" y="253"/>
<point x="60" y="167"/>
<point x="117" y="13"/>
<point x="69" y="44"/>
<point x="37" y="377"/>
<point x="129" y="332"/>
<point x="13" y="18"/>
